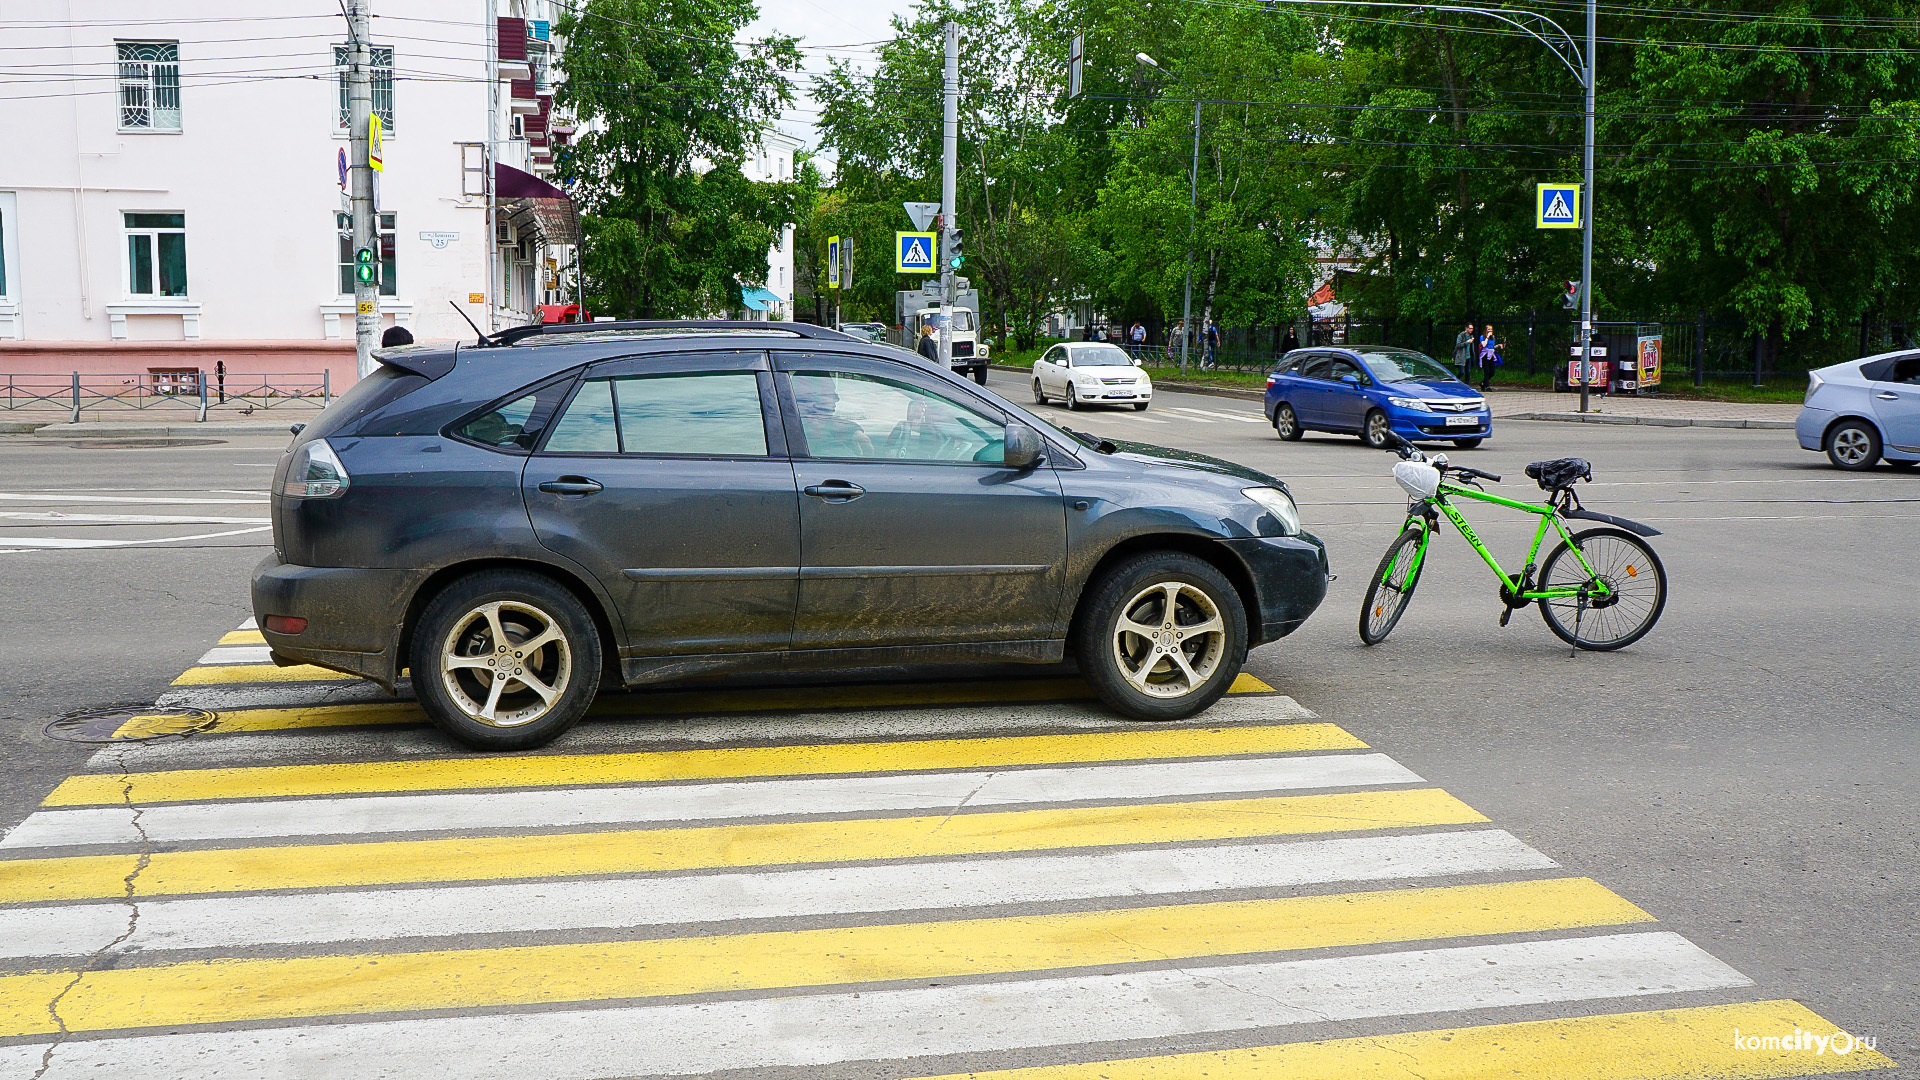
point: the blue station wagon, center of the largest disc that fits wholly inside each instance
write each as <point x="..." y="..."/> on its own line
<point x="1374" y="392"/>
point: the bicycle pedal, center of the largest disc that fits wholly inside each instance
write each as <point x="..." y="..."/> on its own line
<point x="1506" y="615"/>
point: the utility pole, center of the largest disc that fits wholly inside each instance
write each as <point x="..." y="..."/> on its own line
<point x="366" y="289"/>
<point x="1586" y="229"/>
<point x="950" y="148"/>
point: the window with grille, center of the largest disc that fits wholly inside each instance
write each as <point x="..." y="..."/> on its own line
<point x="382" y="69"/>
<point x="149" y="85"/>
<point x="156" y="254"/>
<point x="389" y="281"/>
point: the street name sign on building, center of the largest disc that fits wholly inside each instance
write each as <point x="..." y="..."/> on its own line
<point x="921" y="213"/>
<point x="440" y="240"/>
<point x="1556" y="206"/>
<point x="833" y="262"/>
<point x="913" y="252"/>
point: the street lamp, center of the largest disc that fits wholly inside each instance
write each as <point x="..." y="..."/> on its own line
<point x="1561" y="44"/>
<point x="1193" y="203"/>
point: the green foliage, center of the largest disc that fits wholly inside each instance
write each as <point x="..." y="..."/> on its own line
<point x="672" y="226"/>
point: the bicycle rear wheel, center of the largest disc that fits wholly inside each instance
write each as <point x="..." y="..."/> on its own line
<point x="1635" y="579"/>
<point x="1391" y="588"/>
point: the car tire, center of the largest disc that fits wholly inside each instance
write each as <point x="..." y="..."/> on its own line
<point x="454" y="651"/>
<point x="1141" y="406"/>
<point x="1376" y="430"/>
<point x="1073" y="399"/>
<point x="1286" y="423"/>
<point x="1039" y="395"/>
<point x="1136" y="675"/>
<point x="1853" y="445"/>
<point x="1466" y="444"/>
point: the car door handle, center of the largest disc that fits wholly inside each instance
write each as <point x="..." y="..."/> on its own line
<point x="1886" y="395"/>
<point x="571" y="485"/>
<point x="839" y="490"/>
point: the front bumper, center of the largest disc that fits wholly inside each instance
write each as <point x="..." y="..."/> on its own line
<point x="1114" y="393"/>
<point x="1290" y="576"/>
<point x="1810" y="427"/>
<point x="354" y="616"/>
<point x="1411" y="425"/>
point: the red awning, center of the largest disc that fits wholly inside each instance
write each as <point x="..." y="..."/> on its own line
<point x="550" y="209"/>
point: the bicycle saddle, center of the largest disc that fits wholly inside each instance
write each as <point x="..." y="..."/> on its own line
<point x="1560" y="472"/>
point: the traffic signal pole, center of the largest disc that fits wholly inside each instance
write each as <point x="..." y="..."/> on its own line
<point x="1586" y="229"/>
<point x="366" y="290"/>
<point x="950" y="226"/>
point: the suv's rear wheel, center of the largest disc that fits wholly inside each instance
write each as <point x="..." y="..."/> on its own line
<point x="505" y="660"/>
<point x="1161" y="636"/>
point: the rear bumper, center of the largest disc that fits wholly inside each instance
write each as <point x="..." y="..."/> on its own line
<point x="1290" y="578"/>
<point x="354" y="616"/>
<point x="1810" y="427"/>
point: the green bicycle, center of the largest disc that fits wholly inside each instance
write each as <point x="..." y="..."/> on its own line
<point x="1600" y="589"/>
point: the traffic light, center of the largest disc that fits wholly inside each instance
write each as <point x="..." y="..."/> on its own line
<point x="1571" y="300"/>
<point x="954" y="255"/>
<point x="364" y="270"/>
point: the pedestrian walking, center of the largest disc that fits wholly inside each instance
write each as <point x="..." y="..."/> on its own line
<point x="1466" y="347"/>
<point x="1137" y="337"/>
<point x="1290" y="342"/>
<point x="1213" y="341"/>
<point x="1175" y="340"/>
<point x="929" y="346"/>
<point x="1490" y="356"/>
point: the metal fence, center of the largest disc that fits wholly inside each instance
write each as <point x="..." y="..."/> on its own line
<point x="232" y="393"/>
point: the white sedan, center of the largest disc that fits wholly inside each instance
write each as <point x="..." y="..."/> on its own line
<point x="1090" y="373"/>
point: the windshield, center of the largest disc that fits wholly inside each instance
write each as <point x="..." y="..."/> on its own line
<point x="962" y="320"/>
<point x="1398" y="366"/>
<point x="1101" y="356"/>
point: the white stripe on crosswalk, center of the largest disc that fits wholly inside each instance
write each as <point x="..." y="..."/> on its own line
<point x="566" y="808"/>
<point x="250" y="624"/>
<point x="816" y="1030"/>
<point x="238" y="654"/>
<point x="384" y="914"/>
<point x="1241" y="417"/>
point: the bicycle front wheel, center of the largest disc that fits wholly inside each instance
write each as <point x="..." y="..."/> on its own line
<point x="1636" y="587"/>
<point x="1391" y="588"/>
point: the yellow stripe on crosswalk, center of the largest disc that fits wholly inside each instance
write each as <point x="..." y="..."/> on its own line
<point x="284" y="781"/>
<point x="319" y="716"/>
<point x="219" y="674"/>
<point x="350" y="865"/>
<point x="261" y="989"/>
<point x="1666" y="1044"/>
<point x="242" y="637"/>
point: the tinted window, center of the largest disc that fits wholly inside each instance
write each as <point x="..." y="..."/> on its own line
<point x="1906" y="370"/>
<point x="1340" y="368"/>
<point x="517" y="424"/>
<point x="845" y="415"/>
<point x="716" y="414"/>
<point x="587" y="427"/>
<point x="1319" y="367"/>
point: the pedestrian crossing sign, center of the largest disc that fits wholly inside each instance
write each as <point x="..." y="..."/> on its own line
<point x="913" y="252"/>
<point x="1556" y="206"/>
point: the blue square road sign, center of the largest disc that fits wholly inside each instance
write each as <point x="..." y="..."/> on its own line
<point x="1556" y="206"/>
<point x="913" y="252"/>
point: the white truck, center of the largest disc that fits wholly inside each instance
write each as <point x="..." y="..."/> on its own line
<point x="915" y="309"/>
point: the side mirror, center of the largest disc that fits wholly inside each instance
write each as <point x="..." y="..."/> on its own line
<point x="1024" y="447"/>
<point x="1351" y="380"/>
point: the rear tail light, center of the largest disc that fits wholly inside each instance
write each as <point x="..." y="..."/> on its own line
<point x="1814" y="382"/>
<point x="315" y="473"/>
<point x="1271" y="379"/>
<point x="284" y="624"/>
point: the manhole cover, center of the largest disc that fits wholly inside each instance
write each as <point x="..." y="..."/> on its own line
<point x="128" y="723"/>
<point x="139" y="444"/>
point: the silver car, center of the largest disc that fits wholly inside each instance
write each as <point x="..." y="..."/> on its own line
<point x="1864" y="410"/>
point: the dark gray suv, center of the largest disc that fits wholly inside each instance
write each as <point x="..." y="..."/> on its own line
<point x="521" y="521"/>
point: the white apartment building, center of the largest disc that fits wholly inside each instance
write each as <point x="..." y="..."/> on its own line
<point x="772" y="162"/>
<point x="170" y="195"/>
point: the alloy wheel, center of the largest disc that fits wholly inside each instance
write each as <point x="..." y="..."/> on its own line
<point x="1851" y="445"/>
<point x="1377" y="430"/>
<point x="505" y="663"/>
<point x="1169" y="639"/>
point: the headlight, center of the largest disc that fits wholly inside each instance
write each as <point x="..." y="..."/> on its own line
<point x="1410" y="403"/>
<point x="315" y="473"/>
<point x="1275" y="502"/>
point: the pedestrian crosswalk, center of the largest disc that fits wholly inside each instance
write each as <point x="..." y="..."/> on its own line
<point x="995" y="881"/>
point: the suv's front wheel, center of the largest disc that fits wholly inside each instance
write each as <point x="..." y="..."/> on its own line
<point x="1161" y="636"/>
<point x="505" y="660"/>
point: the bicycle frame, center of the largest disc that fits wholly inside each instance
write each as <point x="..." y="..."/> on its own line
<point x="1519" y="588"/>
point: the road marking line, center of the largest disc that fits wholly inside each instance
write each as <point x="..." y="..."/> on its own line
<point x="1668" y="1044"/>
<point x="563" y="770"/>
<point x="631" y="851"/>
<point x="131" y="519"/>
<point x="67" y="543"/>
<point x="822" y="1029"/>
<point x="142" y="500"/>
<point x="1220" y="415"/>
<point x="250" y="624"/>
<point x="242" y="637"/>
<point x="239" y="922"/>
<point x="241" y="654"/>
<point x="548" y="808"/>
<point x="255" y="673"/>
<point x="266" y="989"/>
<point x="1244" y="683"/>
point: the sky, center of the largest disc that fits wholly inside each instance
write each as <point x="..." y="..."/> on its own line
<point x="854" y="25"/>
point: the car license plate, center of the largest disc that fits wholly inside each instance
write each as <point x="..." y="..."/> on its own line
<point x="1463" y="421"/>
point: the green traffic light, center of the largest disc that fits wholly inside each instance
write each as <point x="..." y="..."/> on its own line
<point x="363" y="270"/>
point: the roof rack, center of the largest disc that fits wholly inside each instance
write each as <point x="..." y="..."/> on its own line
<point x="513" y="335"/>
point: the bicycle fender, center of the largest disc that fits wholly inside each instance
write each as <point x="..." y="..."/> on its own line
<point x="1594" y="515"/>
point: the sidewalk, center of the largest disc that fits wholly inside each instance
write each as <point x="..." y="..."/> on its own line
<point x="1658" y="412"/>
<point x="151" y="423"/>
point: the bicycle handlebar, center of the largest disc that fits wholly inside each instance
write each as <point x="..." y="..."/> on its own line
<point x="1408" y="452"/>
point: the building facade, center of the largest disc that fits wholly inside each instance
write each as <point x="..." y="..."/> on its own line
<point x="173" y="194"/>
<point x="772" y="162"/>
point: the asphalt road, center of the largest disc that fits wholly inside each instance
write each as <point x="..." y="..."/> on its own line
<point x="1743" y="774"/>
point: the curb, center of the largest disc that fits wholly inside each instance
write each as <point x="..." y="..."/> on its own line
<point x="1649" y="421"/>
<point x="1171" y="388"/>
<point x="20" y="427"/>
<point x="108" y="429"/>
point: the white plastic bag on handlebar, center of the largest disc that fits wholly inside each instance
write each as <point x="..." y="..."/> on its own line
<point x="1417" y="478"/>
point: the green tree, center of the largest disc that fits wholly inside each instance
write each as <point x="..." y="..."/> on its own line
<point x="672" y="227"/>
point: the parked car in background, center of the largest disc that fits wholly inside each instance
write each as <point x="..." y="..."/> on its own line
<point x="1864" y="411"/>
<point x="521" y="521"/>
<point x="1374" y="392"/>
<point x="1091" y="373"/>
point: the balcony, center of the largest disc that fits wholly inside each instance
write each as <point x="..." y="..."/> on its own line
<point x="513" y="51"/>
<point x="522" y="98"/>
